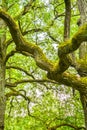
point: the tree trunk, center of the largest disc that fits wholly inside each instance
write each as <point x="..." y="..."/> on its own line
<point x="2" y="94"/>
<point x="84" y="104"/>
<point x="82" y="5"/>
<point x="2" y="76"/>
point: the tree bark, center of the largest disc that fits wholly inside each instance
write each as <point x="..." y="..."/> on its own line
<point x="55" y="71"/>
<point x="2" y="95"/>
<point x="84" y="104"/>
<point x="2" y="76"/>
<point x="67" y="19"/>
<point x="82" y="5"/>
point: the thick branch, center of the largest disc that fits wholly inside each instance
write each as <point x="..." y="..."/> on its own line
<point x="78" y="83"/>
<point x="81" y="67"/>
<point x="40" y="58"/>
<point x="22" y="45"/>
<point x="73" y="44"/>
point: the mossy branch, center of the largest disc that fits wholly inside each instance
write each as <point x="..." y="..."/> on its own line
<point x="71" y="80"/>
<point x="23" y="45"/>
<point x="40" y="58"/>
<point x="70" y="46"/>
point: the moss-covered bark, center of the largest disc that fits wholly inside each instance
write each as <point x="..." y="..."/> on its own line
<point x="54" y="70"/>
<point x="2" y="76"/>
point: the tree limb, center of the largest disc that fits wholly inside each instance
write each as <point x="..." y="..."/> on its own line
<point x="78" y="83"/>
<point x="17" y="93"/>
<point x="23" y="45"/>
<point x="66" y="124"/>
<point x="21" y="69"/>
<point x="54" y="70"/>
<point x="30" y="81"/>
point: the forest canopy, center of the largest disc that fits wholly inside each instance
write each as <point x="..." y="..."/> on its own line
<point x="43" y="65"/>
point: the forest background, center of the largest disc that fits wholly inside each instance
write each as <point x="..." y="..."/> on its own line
<point x="43" y="65"/>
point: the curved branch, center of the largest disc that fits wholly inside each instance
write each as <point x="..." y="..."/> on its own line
<point x="30" y="81"/>
<point x="66" y="124"/>
<point x="40" y="58"/>
<point x="81" y="67"/>
<point x="71" y="45"/>
<point x="9" y="55"/>
<point x="18" y="68"/>
<point x="27" y="7"/>
<point x="12" y="53"/>
<point x="17" y="93"/>
<point x="23" y="45"/>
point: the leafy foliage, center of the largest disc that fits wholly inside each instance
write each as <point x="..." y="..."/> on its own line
<point x="35" y="103"/>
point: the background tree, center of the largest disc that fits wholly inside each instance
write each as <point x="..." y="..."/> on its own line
<point x="38" y="69"/>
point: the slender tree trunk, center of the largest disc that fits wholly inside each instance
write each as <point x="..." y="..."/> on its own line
<point x="2" y="76"/>
<point x="67" y="19"/>
<point x="82" y="5"/>
<point x="84" y="104"/>
<point x="2" y="94"/>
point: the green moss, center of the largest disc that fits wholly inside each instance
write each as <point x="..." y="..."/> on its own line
<point x="84" y="80"/>
<point x="81" y="35"/>
<point x="67" y="42"/>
